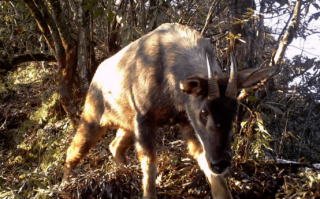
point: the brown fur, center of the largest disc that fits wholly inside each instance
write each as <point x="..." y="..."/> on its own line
<point x="219" y="187"/>
<point x="121" y="144"/>
<point x="161" y="79"/>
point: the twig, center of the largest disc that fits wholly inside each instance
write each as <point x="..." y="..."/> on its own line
<point x="213" y="6"/>
<point x="304" y="129"/>
<point x="2" y="127"/>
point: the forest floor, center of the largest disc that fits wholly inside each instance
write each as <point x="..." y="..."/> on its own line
<point x="35" y="135"/>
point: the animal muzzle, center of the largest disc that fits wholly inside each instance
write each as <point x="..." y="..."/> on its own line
<point x="219" y="166"/>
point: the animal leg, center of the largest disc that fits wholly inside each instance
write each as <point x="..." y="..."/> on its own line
<point x="120" y="145"/>
<point x="146" y="148"/>
<point x="87" y="136"/>
<point x="89" y="131"/>
<point x="219" y="187"/>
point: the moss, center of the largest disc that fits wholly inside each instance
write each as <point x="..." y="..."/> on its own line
<point x="26" y="126"/>
<point x="45" y="113"/>
<point x="3" y="91"/>
<point x="28" y="74"/>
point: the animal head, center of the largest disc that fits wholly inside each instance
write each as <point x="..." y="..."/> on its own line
<point x="213" y="107"/>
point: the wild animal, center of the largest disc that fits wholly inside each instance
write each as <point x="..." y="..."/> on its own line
<point x="169" y="76"/>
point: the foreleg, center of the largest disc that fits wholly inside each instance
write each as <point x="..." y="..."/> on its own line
<point x="146" y="137"/>
<point x="219" y="187"/>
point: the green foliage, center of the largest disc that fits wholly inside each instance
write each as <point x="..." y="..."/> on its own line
<point x="3" y="90"/>
<point x="90" y="5"/>
<point x="38" y="158"/>
<point x="40" y="141"/>
<point x="110" y="16"/>
<point x="17" y="29"/>
<point x="252" y="99"/>
<point x="45" y="113"/>
<point x="34" y="165"/>
<point x="26" y="75"/>
<point x="235" y="37"/>
<point x="313" y="180"/>
<point x="97" y="12"/>
<point x="254" y="139"/>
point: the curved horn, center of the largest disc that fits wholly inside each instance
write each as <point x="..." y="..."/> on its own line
<point x="232" y="84"/>
<point x="213" y="87"/>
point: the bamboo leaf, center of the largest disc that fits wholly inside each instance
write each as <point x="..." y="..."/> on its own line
<point x="243" y="41"/>
<point x="244" y="122"/>
<point x="275" y="109"/>
<point x="110" y="16"/>
<point x="97" y="13"/>
<point x="138" y="31"/>
<point x="251" y="98"/>
<point x="39" y="184"/>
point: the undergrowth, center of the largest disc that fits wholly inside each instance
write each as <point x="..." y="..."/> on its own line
<point x="34" y="157"/>
<point x="35" y="136"/>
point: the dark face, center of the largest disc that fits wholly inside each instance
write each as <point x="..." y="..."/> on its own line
<point x="212" y="121"/>
<point x="212" y="109"/>
<point x="212" y="105"/>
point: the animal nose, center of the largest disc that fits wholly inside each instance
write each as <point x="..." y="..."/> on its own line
<point x="219" y="166"/>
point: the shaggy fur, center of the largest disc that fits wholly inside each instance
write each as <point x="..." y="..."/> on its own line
<point x="162" y="79"/>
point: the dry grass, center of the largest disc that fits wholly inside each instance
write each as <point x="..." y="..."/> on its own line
<point x="34" y="137"/>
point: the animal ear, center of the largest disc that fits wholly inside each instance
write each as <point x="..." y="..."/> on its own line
<point x="193" y="85"/>
<point x="251" y="77"/>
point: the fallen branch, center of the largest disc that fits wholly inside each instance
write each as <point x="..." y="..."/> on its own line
<point x="10" y="64"/>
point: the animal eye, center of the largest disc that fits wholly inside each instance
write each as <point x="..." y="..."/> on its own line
<point x="204" y="113"/>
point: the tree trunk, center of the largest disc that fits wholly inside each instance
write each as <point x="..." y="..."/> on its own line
<point x="143" y="14"/>
<point x="37" y="15"/>
<point x="66" y="91"/>
<point x="83" y="53"/>
<point x="113" y="46"/>
<point x="93" y="65"/>
<point x="244" y="52"/>
<point x="56" y="30"/>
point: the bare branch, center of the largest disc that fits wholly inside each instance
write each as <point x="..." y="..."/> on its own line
<point x="290" y="34"/>
<point x="213" y="6"/>
<point x="284" y="29"/>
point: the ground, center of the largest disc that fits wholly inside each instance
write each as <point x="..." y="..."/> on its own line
<point x="35" y="134"/>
